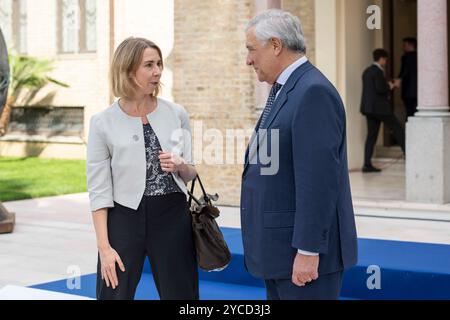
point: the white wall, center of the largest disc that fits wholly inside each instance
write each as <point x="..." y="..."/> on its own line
<point x="87" y="74"/>
<point x="151" y="19"/>
<point x="344" y="48"/>
<point x="326" y="38"/>
<point x="41" y="28"/>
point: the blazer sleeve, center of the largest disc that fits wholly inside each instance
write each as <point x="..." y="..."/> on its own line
<point x="317" y="131"/>
<point x="98" y="168"/>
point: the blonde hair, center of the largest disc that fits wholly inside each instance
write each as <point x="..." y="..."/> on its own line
<point x="126" y="61"/>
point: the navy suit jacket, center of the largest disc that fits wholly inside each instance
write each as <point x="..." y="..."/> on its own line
<point x="307" y="204"/>
<point x="408" y="74"/>
<point x="375" y="93"/>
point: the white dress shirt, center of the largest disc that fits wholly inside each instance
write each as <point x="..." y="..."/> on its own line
<point x="379" y="66"/>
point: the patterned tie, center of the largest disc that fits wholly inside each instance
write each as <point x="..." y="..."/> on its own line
<point x="273" y="93"/>
<point x="253" y="140"/>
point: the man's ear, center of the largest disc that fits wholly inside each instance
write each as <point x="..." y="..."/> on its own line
<point x="277" y="45"/>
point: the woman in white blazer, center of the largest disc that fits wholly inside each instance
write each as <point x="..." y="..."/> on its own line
<point x="139" y="160"/>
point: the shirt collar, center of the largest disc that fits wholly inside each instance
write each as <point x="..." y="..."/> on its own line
<point x="284" y="76"/>
<point x="378" y="65"/>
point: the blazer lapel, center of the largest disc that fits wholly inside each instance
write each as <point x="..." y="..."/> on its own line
<point x="279" y="103"/>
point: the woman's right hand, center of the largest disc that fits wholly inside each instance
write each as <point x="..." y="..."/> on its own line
<point x="108" y="259"/>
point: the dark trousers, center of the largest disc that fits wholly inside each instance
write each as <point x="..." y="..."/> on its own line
<point x="373" y="127"/>
<point x="161" y="230"/>
<point x="410" y="106"/>
<point x="326" y="287"/>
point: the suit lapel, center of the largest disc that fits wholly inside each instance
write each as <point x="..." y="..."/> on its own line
<point x="279" y="103"/>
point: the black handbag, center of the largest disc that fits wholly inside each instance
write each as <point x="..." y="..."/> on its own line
<point x="212" y="250"/>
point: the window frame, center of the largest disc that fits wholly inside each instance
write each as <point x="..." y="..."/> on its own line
<point x="82" y="39"/>
<point x="16" y="36"/>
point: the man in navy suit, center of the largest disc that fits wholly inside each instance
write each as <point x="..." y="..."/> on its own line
<point x="297" y="216"/>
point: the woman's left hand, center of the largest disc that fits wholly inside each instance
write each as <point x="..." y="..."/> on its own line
<point x="171" y="162"/>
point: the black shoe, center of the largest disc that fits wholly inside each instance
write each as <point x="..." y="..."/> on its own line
<point x="368" y="169"/>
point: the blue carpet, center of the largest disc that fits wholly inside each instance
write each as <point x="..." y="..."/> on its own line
<point x="146" y="290"/>
<point x="408" y="271"/>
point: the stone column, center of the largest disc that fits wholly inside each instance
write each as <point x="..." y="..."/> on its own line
<point x="432" y="58"/>
<point x="262" y="89"/>
<point x="428" y="132"/>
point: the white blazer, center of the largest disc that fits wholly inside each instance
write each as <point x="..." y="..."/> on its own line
<point x="116" y="162"/>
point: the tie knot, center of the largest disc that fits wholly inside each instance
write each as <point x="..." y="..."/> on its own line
<point x="275" y="88"/>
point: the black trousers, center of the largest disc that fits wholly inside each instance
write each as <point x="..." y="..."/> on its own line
<point x="161" y="230"/>
<point x="410" y="106"/>
<point x="373" y="127"/>
<point x="326" y="287"/>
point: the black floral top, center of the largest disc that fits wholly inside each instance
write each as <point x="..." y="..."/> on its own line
<point x="158" y="181"/>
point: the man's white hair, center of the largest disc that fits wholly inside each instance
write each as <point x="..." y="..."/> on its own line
<point x="276" y="23"/>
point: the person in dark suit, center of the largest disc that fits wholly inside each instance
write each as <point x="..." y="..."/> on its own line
<point x="297" y="217"/>
<point x="375" y="105"/>
<point x="408" y="76"/>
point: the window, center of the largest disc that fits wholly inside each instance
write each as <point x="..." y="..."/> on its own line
<point x="13" y="21"/>
<point x="77" y="26"/>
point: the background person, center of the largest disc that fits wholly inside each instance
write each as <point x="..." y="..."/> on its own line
<point x="376" y="107"/>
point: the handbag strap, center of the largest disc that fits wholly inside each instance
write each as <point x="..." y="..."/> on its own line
<point x="191" y="193"/>
<point x="205" y="196"/>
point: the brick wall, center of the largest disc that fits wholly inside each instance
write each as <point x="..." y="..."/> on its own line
<point x="305" y="11"/>
<point x="212" y="80"/>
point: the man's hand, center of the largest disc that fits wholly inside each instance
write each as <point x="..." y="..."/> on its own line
<point x="391" y="85"/>
<point x="305" y="269"/>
